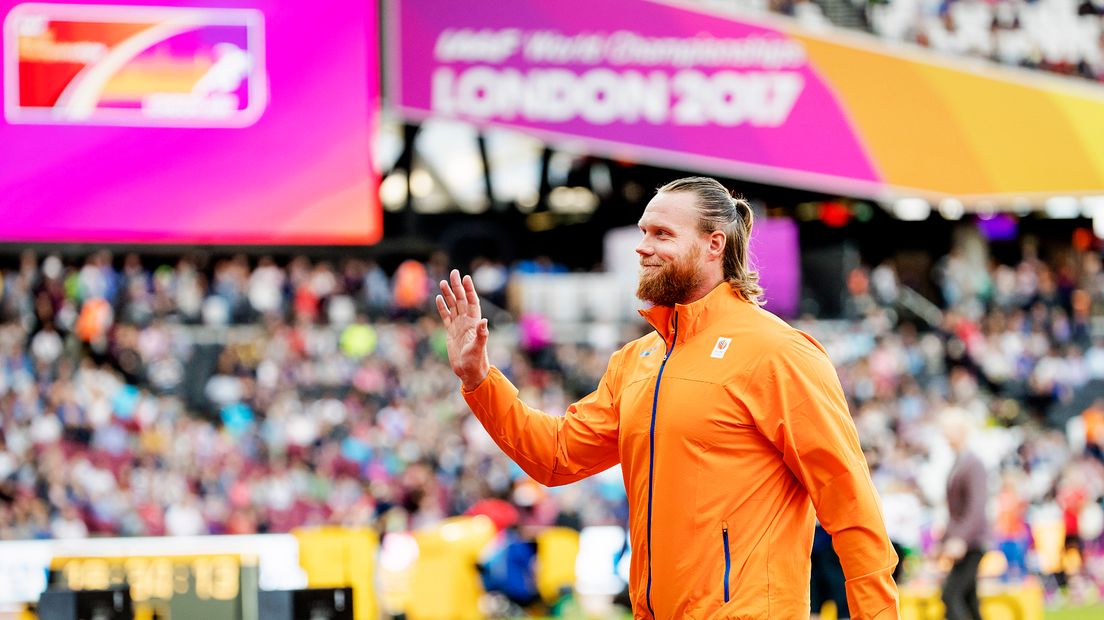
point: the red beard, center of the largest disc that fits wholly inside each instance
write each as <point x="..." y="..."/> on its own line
<point x="673" y="282"/>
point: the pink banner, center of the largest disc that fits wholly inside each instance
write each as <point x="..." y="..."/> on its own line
<point x="631" y="78"/>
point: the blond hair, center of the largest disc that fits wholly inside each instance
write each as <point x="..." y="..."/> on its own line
<point x="719" y="210"/>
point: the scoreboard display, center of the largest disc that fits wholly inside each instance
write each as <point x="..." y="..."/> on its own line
<point x="169" y="587"/>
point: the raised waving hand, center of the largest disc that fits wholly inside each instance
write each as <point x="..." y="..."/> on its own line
<point x="458" y="306"/>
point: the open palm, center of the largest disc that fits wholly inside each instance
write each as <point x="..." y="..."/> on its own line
<point x="458" y="306"/>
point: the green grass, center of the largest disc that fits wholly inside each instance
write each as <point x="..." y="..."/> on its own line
<point x="1092" y="612"/>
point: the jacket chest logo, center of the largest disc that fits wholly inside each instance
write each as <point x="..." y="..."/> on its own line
<point x="720" y="348"/>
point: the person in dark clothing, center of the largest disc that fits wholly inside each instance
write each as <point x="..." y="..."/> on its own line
<point x="828" y="581"/>
<point x="965" y="540"/>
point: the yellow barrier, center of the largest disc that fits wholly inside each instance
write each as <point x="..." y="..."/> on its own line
<point x="1023" y="602"/>
<point x="335" y="557"/>
<point x="446" y="583"/>
<point x="829" y="611"/>
<point x="557" y="548"/>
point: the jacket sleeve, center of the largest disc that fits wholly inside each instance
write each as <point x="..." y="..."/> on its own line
<point x="798" y="404"/>
<point x="553" y="450"/>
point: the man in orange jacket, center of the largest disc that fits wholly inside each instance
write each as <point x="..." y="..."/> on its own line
<point x="730" y="426"/>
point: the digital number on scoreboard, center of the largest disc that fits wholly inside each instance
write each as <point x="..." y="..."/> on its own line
<point x="213" y="587"/>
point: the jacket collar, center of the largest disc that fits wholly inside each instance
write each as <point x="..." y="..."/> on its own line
<point x="695" y="316"/>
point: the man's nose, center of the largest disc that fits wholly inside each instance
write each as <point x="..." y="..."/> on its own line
<point x="644" y="248"/>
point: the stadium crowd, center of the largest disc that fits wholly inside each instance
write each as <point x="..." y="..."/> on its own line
<point x="242" y="396"/>
<point x="327" y="399"/>
<point x="1060" y="36"/>
<point x="1016" y="352"/>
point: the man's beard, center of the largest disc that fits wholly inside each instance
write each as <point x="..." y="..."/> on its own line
<point x="673" y="282"/>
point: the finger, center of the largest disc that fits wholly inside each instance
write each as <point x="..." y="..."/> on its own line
<point x="458" y="290"/>
<point x="481" y="334"/>
<point x="443" y="310"/>
<point x="448" y="297"/>
<point x="473" y="299"/>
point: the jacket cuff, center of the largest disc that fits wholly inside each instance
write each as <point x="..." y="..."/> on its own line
<point x="488" y="390"/>
<point x="465" y="391"/>
<point x="873" y="596"/>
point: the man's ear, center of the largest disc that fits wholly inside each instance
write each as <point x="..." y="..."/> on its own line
<point x="717" y="242"/>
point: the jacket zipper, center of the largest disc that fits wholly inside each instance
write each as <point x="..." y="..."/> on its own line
<point x="651" y="462"/>
<point x="728" y="560"/>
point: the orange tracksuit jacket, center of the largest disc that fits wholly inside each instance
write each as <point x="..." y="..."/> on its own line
<point x="730" y="427"/>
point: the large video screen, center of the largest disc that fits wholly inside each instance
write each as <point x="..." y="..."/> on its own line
<point x="189" y="122"/>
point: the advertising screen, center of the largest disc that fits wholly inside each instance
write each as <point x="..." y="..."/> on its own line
<point x="228" y="122"/>
<point x="749" y="96"/>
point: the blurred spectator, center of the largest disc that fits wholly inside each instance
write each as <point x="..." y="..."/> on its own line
<point x="826" y="576"/>
<point x="966" y="537"/>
